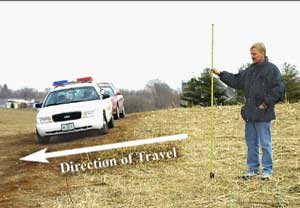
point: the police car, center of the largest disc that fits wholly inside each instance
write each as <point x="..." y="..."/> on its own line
<point x="73" y="107"/>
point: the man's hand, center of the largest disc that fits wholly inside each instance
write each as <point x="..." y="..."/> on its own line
<point x="262" y="106"/>
<point x="216" y="71"/>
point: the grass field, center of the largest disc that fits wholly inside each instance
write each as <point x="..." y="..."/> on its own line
<point x="180" y="182"/>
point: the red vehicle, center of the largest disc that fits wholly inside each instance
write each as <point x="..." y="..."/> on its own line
<point x="116" y="98"/>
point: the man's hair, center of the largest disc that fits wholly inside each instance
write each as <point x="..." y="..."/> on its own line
<point x="259" y="46"/>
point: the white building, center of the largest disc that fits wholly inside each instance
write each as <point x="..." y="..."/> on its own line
<point x="18" y="103"/>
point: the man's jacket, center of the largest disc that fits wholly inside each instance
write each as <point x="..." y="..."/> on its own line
<point x="261" y="83"/>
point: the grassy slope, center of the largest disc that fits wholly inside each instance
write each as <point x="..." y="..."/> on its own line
<point x="183" y="182"/>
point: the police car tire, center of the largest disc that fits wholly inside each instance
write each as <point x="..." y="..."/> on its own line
<point x="43" y="139"/>
<point x="104" y="129"/>
<point x="111" y="123"/>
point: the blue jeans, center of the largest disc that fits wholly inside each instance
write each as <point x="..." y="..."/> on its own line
<point x="259" y="133"/>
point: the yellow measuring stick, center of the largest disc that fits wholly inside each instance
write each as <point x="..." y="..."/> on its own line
<point x="212" y="113"/>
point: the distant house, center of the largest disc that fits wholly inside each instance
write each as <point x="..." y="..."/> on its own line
<point x="18" y="103"/>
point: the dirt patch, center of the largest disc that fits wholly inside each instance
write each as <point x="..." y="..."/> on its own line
<point x="21" y="181"/>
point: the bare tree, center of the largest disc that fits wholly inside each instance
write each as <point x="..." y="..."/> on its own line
<point x="156" y="95"/>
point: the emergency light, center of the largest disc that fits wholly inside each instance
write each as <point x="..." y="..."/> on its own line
<point x="60" y="83"/>
<point x="85" y="79"/>
<point x="65" y="82"/>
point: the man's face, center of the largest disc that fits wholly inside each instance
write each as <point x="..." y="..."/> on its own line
<point x="257" y="56"/>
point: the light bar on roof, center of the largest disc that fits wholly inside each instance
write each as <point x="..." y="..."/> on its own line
<point x="60" y="83"/>
<point x="85" y="79"/>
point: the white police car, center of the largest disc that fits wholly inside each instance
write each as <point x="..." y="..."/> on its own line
<point x="72" y="107"/>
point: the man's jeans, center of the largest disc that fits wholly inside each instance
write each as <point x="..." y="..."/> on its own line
<point x="259" y="133"/>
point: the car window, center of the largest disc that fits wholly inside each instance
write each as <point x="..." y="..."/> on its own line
<point x="113" y="88"/>
<point x="108" y="90"/>
<point x="71" y="95"/>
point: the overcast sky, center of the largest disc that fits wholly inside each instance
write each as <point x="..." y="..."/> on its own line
<point x="130" y="43"/>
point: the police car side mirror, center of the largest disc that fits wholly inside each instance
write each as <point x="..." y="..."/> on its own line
<point x="104" y="96"/>
<point x="38" y="105"/>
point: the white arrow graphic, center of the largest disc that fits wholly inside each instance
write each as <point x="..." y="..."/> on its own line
<point x="42" y="155"/>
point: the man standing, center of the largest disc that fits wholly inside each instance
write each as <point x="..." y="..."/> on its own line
<point x="263" y="87"/>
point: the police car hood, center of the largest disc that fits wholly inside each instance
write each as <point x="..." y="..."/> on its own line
<point x="70" y="107"/>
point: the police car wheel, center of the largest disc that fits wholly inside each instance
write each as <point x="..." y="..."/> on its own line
<point x="111" y="123"/>
<point x="104" y="129"/>
<point x="42" y="139"/>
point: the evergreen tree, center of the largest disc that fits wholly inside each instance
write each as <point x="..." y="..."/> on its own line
<point x="198" y="90"/>
<point x="292" y="82"/>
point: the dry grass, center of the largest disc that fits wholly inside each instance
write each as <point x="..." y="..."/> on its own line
<point x="181" y="182"/>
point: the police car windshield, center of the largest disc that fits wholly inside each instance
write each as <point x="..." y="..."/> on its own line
<point x="71" y="95"/>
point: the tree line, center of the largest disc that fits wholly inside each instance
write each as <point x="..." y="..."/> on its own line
<point x="158" y="95"/>
<point x="197" y="90"/>
<point x="25" y="93"/>
<point x="155" y="95"/>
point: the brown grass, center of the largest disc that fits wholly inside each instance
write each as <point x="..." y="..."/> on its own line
<point x="181" y="182"/>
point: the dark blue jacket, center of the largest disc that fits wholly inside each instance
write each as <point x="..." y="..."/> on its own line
<point x="261" y="83"/>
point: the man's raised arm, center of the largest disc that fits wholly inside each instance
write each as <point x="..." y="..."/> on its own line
<point x="235" y="81"/>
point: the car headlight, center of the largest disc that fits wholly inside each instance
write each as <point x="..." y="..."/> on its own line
<point x="88" y="114"/>
<point x="44" y="120"/>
